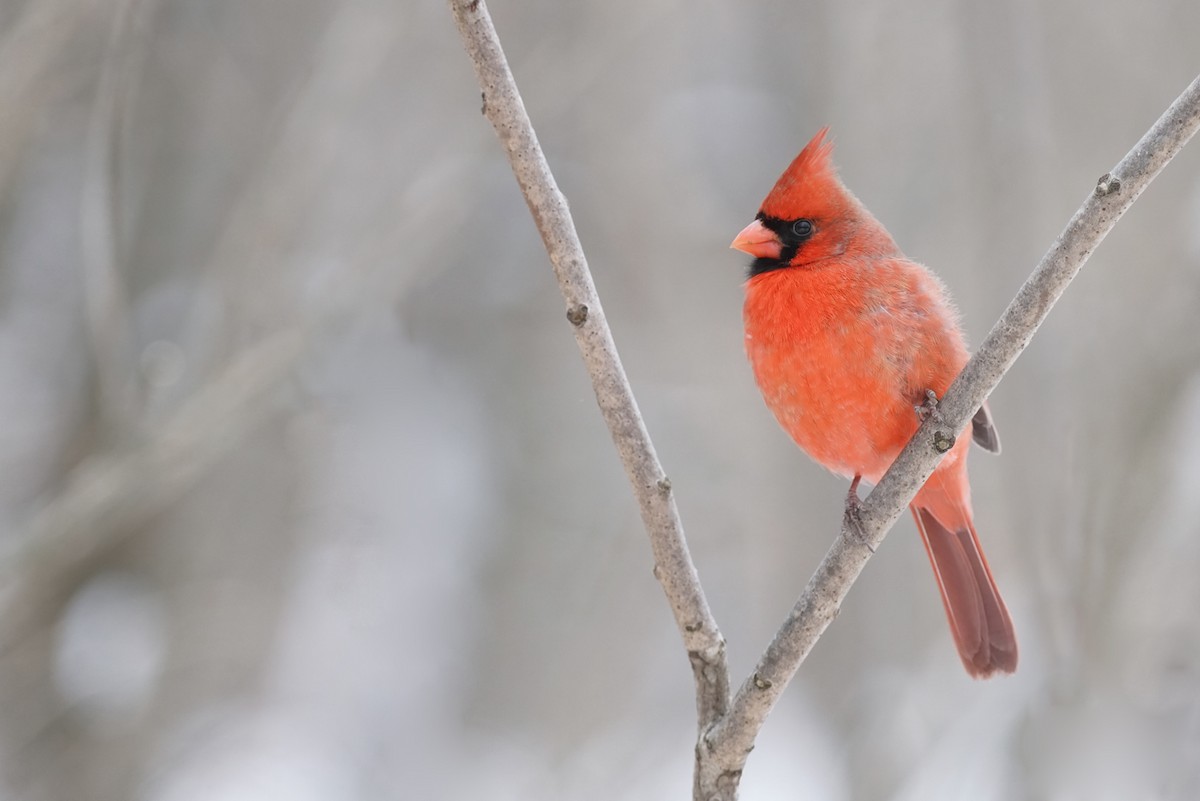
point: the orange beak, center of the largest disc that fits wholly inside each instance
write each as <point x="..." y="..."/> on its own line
<point x="759" y="241"/>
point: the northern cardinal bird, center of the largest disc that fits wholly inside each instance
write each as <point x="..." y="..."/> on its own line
<point x="847" y="337"/>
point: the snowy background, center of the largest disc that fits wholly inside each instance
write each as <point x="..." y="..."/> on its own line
<point x="305" y="495"/>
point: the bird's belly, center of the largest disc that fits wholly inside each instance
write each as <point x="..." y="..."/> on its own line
<point x="842" y="401"/>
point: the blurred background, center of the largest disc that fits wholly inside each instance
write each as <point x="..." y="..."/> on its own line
<point x="305" y="493"/>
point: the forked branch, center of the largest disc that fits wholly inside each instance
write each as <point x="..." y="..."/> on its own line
<point x="728" y="729"/>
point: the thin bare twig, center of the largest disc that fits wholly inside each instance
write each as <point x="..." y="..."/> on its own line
<point x="731" y="740"/>
<point x="726" y="737"/>
<point x="106" y="303"/>
<point x="672" y="562"/>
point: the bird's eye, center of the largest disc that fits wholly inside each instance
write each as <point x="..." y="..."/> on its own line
<point x="802" y="228"/>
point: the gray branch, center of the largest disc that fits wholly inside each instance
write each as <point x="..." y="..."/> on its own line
<point x="728" y="729"/>
<point x="731" y="739"/>
<point x="673" y="565"/>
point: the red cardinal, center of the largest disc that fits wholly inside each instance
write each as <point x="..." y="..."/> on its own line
<point x="846" y="336"/>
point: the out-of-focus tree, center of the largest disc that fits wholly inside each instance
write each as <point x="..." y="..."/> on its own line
<point x="284" y="379"/>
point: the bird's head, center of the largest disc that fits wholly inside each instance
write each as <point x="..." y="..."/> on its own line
<point x="809" y="216"/>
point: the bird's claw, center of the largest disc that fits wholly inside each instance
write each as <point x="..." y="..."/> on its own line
<point x="853" y="517"/>
<point x="929" y="407"/>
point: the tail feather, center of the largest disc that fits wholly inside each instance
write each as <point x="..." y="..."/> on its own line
<point x="983" y="430"/>
<point x="979" y="621"/>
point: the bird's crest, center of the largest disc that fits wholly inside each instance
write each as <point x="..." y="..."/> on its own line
<point x="809" y="181"/>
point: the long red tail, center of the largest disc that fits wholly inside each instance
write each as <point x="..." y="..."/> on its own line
<point x="979" y="621"/>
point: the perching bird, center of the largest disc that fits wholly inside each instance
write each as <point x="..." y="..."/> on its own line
<point x="846" y="337"/>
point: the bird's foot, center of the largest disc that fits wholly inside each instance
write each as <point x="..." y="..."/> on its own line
<point x="853" y="517"/>
<point x="929" y="408"/>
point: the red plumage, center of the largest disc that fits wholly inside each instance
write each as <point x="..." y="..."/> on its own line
<point x="845" y="336"/>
